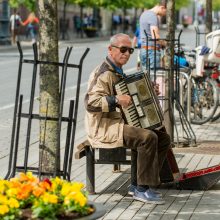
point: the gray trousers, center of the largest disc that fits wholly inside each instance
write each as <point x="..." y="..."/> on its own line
<point x="148" y="151"/>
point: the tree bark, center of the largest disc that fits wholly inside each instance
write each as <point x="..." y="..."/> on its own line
<point x="169" y="85"/>
<point x="64" y="22"/>
<point x="81" y="18"/>
<point x="208" y="23"/>
<point x="49" y="87"/>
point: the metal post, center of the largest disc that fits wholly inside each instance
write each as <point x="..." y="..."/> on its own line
<point x="17" y="137"/>
<point x="90" y="170"/>
<point x="15" y="110"/>
<point x="31" y="106"/>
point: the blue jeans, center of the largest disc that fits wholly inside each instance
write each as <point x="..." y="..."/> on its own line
<point x="150" y="58"/>
<point x="32" y="31"/>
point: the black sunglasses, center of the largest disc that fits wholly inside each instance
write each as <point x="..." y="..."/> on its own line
<point x="124" y="49"/>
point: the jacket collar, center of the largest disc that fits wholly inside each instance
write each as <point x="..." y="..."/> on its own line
<point x="117" y="70"/>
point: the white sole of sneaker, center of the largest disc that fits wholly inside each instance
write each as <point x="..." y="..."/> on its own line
<point x="130" y="193"/>
<point x="149" y="201"/>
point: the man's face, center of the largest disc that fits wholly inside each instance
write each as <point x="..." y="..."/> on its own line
<point x="120" y="51"/>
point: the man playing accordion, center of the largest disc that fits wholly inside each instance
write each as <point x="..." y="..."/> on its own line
<point x="106" y="127"/>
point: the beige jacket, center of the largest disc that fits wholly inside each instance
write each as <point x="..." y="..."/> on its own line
<point x="103" y="120"/>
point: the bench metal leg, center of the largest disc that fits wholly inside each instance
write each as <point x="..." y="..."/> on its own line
<point x="90" y="170"/>
<point x="116" y="168"/>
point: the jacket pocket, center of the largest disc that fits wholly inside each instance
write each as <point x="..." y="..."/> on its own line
<point x="108" y="131"/>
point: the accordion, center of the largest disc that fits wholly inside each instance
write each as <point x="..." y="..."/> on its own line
<point x="145" y="110"/>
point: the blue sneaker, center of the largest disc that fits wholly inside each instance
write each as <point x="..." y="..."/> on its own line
<point x="148" y="197"/>
<point x="131" y="190"/>
<point x="133" y="187"/>
<point x="157" y="193"/>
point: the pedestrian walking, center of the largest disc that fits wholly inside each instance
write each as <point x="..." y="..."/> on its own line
<point x="32" y="26"/>
<point x="15" y="23"/>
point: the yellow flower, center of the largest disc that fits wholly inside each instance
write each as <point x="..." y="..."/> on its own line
<point x="13" y="203"/>
<point x="2" y="189"/>
<point x="76" y="187"/>
<point x="49" y="198"/>
<point x="81" y="199"/>
<point x="71" y="187"/>
<point x="12" y="192"/>
<point x="3" y="200"/>
<point x="66" y="189"/>
<point x="77" y="197"/>
<point x="56" y="183"/>
<point x="3" y="185"/>
<point x="4" y="209"/>
<point x="29" y="174"/>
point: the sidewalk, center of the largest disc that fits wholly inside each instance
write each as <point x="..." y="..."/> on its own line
<point x="112" y="188"/>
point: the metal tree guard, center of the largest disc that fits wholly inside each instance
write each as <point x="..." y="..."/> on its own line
<point x="71" y="120"/>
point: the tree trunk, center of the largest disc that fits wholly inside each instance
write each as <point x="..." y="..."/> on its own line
<point x="49" y="87"/>
<point x="63" y="21"/>
<point x="208" y="23"/>
<point x="112" y="28"/>
<point x="169" y="85"/>
<point x="123" y="20"/>
<point x="81" y="18"/>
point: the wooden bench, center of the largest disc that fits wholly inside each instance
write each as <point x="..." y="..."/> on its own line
<point x="115" y="156"/>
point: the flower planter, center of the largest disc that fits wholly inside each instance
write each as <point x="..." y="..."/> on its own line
<point x="99" y="211"/>
<point x="26" y="197"/>
<point x="90" y="32"/>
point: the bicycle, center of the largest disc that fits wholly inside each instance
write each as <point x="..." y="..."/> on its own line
<point x="215" y="75"/>
<point x="202" y="95"/>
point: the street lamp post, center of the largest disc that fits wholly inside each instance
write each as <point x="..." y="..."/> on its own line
<point x="4" y="23"/>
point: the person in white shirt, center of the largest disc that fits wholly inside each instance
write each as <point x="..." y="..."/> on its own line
<point x="15" y="23"/>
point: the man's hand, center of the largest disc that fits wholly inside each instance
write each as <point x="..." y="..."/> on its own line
<point x="124" y="100"/>
<point x="156" y="88"/>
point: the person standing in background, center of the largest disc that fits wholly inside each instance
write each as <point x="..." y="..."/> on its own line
<point x="77" y="24"/>
<point x="32" y="25"/>
<point x="15" y="23"/>
<point x="149" y="22"/>
<point x="136" y="42"/>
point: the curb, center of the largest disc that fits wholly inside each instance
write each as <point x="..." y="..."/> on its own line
<point x="28" y="44"/>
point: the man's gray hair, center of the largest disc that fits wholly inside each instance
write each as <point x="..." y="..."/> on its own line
<point x="115" y="38"/>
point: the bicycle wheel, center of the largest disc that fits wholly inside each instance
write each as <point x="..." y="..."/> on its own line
<point x="216" y="116"/>
<point x="205" y="100"/>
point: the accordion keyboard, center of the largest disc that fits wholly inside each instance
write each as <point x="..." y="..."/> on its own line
<point x="130" y="112"/>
